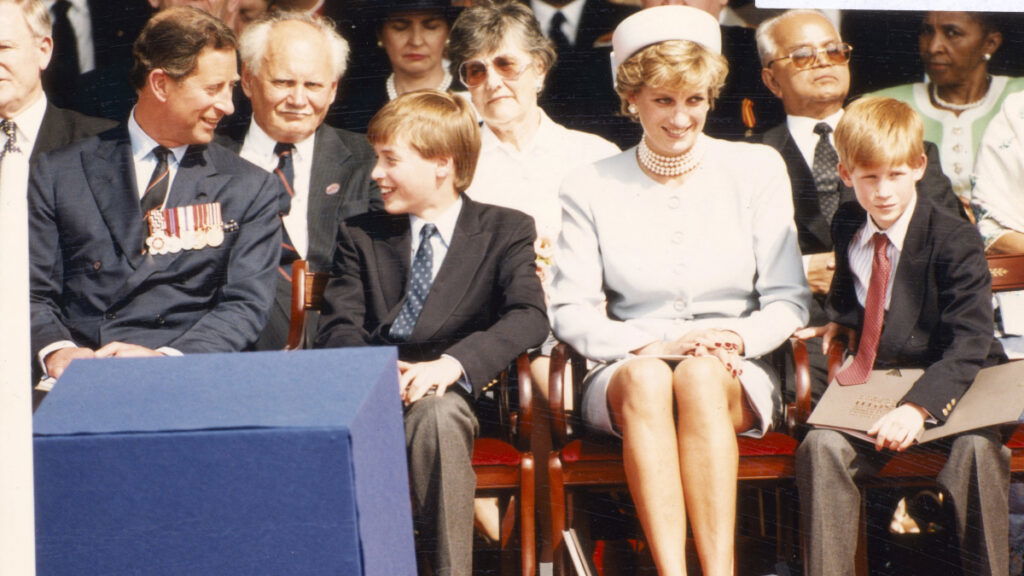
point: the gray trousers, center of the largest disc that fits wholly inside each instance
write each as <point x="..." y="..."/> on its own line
<point x="976" y="478"/>
<point x="439" y="433"/>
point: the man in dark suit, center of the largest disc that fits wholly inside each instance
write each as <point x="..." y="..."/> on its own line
<point x="578" y="92"/>
<point x="291" y="65"/>
<point x="201" y="278"/>
<point x="449" y="281"/>
<point x="36" y="125"/>
<point x="813" y="94"/>
<point x="911" y="290"/>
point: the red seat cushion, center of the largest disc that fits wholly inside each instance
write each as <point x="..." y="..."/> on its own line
<point x="494" y="452"/>
<point x="609" y="450"/>
<point x="1017" y="440"/>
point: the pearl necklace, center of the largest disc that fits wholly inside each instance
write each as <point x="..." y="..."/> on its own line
<point x="960" y="107"/>
<point x="670" y="165"/>
<point x="446" y="82"/>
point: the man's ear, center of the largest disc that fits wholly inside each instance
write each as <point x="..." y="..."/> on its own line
<point x="248" y="79"/>
<point x="844" y="175"/>
<point x="768" y="77"/>
<point x="159" y="83"/>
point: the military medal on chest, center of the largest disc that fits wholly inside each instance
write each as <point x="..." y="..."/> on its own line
<point x="185" y="228"/>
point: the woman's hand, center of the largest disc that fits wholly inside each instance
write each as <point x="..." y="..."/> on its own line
<point x="725" y="345"/>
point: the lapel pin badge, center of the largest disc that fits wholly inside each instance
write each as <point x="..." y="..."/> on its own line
<point x="332" y="189"/>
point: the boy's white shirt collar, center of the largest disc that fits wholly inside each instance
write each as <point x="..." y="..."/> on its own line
<point x="897" y="233"/>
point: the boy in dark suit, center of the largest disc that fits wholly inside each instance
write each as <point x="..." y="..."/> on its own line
<point x="452" y="283"/>
<point x="911" y="290"/>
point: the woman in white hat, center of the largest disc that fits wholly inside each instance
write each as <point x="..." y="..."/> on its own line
<point x="691" y="244"/>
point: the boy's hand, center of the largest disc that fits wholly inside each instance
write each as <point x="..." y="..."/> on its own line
<point x="417" y="379"/>
<point x="898" y="429"/>
<point x="828" y="333"/>
<point x="820" y="268"/>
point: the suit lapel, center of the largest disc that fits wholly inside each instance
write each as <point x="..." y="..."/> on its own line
<point x="327" y="190"/>
<point x="466" y="252"/>
<point x="110" y="173"/>
<point x="908" y="282"/>
<point x="392" y="254"/>
<point x="806" y="205"/>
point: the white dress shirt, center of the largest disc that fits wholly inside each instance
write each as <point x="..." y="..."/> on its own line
<point x="145" y="161"/>
<point x="259" y="149"/>
<point x="802" y="130"/>
<point x="439" y="243"/>
<point x="573" y="12"/>
<point x="528" y="179"/>
<point x="862" y="251"/>
<point x="81" y="21"/>
<point x="27" y="124"/>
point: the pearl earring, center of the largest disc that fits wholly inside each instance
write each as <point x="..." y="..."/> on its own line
<point x="631" y="109"/>
<point x="380" y="44"/>
<point x="986" y="57"/>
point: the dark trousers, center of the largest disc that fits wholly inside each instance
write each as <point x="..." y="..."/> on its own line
<point x="976" y="478"/>
<point x="439" y="433"/>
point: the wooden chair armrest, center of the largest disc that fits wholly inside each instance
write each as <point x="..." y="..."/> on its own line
<point x="801" y="409"/>
<point x="556" y="395"/>
<point x="524" y="419"/>
<point x="297" y="319"/>
<point x="836" y="354"/>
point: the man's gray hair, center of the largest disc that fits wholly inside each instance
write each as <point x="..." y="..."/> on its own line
<point x="252" y="46"/>
<point x="36" y="16"/>
<point x="767" y="47"/>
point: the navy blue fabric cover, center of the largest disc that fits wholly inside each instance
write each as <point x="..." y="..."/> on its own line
<point x="222" y="464"/>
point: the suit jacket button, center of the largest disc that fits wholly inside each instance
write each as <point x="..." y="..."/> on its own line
<point x="110" y="316"/>
<point x="97" y="265"/>
<point x="160" y="320"/>
<point x="945" y="411"/>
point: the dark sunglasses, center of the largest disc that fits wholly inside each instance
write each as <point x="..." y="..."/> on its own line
<point x="805" y="56"/>
<point x="474" y="72"/>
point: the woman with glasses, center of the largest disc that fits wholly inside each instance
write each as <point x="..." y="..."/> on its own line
<point x="960" y="97"/>
<point x="413" y="34"/>
<point x="678" y="268"/>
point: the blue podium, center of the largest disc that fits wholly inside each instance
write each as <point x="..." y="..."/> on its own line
<point x="276" y="463"/>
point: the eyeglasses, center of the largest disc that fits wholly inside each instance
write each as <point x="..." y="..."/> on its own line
<point x="474" y="72"/>
<point x="805" y="56"/>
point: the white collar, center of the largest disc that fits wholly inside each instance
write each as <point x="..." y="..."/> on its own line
<point x="445" y="223"/>
<point x="263" y="145"/>
<point x="143" y="144"/>
<point x="28" y="122"/>
<point x="803" y="125"/>
<point x="897" y="233"/>
<point x="573" y="12"/>
<point x="547" y="131"/>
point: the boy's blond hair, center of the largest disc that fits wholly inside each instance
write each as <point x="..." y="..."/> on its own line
<point x="434" y="124"/>
<point x="880" y="131"/>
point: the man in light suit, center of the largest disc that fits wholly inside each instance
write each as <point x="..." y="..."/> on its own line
<point x="449" y="281"/>
<point x="291" y="65"/>
<point x="201" y="278"/>
<point x="814" y="94"/>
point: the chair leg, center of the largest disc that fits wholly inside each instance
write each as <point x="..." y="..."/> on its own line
<point x="527" y="517"/>
<point x="556" y="485"/>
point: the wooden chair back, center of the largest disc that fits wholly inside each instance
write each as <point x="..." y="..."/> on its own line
<point x="307" y="294"/>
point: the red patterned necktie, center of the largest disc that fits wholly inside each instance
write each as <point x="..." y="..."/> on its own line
<point x="874" y="316"/>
